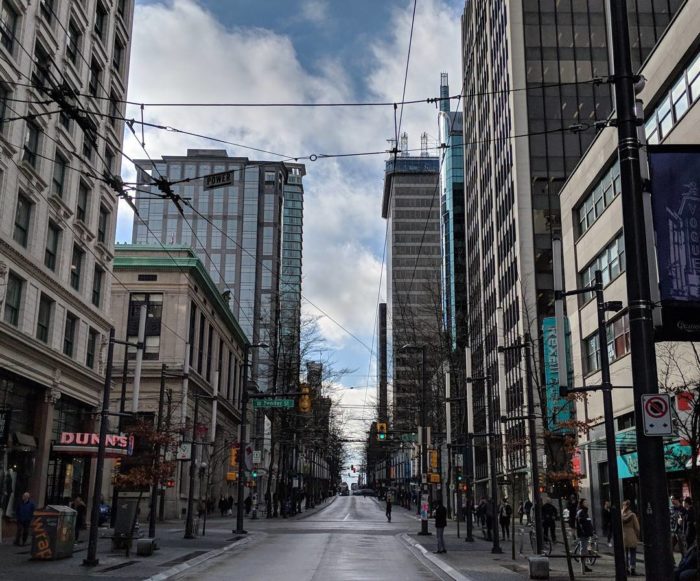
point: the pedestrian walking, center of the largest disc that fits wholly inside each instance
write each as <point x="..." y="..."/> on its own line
<point x="630" y="537"/>
<point x="676" y="524"/>
<point x="549" y="521"/>
<point x="388" y="508"/>
<point x="527" y="510"/>
<point x="688" y="522"/>
<point x="607" y="522"/>
<point x="584" y="531"/>
<point x="521" y="512"/>
<point x="25" y="513"/>
<point x="572" y="508"/>
<point x="248" y="504"/>
<point x="79" y="506"/>
<point x="505" y="511"/>
<point x="223" y="505"/>
<point x="490" y="516"/>
<point x="440" y="524"/>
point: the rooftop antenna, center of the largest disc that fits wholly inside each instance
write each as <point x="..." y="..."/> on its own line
<point x="404" y="144"/>
<point x="424" y="144"/>
<point x="444" y="93"/>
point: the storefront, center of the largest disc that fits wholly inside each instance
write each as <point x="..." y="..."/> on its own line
<point x="18" y="441"/>
<point x="68" y="473"/>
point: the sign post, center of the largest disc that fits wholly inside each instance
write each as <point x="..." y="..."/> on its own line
<point x="656" y="413"/>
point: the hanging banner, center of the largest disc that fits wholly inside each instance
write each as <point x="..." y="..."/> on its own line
<point x="675" y="200"/>
<point x="559" y="409"/>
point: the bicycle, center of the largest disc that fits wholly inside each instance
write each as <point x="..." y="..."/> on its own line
<point x="592" y="556"/>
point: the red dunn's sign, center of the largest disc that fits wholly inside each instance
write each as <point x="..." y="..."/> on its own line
<point x="86" y="443"/>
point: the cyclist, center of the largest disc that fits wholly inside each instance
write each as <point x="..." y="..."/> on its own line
<point x="584" y="531"/>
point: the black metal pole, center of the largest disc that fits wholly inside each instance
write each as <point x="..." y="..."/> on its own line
<point x="536" y="496"/>
<point x="468" y="470"/>
<point x="156" y="462"/>
<point x="189" y="524"/>
<point x="606" y="385"/>
<point x="496" y="548"/>
<point x="652" y="471"/>
<point x="91" y="560"/>
<point x="122" y="403"/>
<point x="424" y="443"/>
<point x="242" y="446"/>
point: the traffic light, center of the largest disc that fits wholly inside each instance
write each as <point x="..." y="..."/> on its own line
<point x="304" y="403"/>
<point x="170" y="483"/>
<point x="233" y="458"/>
<point x="381" y="431"/>
<point x="352" y="467"/>
<point x="255" y="474"/>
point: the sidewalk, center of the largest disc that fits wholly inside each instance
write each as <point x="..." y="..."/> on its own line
<point x="475" y="562"/>
<point x="174" y="555"/>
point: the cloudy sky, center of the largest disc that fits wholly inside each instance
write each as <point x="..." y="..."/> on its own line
<point x="272" y="51"/>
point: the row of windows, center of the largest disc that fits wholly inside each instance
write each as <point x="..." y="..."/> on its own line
<point x="600" y="198"/>
<point x="611" y="262"/>
<point x="54" y="236"/>
<point x="618" y="343"/>
<point x="674" y="104"/>
<point x="201" y="355"/>
<point x="45" y="320"/>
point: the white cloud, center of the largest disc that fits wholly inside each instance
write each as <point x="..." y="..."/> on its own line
<point x="182" y="53"/>
<point x="315" y="11"/>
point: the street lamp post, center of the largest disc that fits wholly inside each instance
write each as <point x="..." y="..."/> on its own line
<point x="242" y="441"/>
<point x="91" y="560"/>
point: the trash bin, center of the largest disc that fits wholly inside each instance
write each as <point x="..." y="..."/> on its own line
<point x="53" y="533"/>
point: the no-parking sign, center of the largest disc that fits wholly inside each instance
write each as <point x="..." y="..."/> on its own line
<point x="656" y="413"/>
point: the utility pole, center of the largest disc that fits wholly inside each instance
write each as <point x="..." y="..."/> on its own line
<point x="496" y="548"/>
<point x="91" y="560"/>
<point x="531" y="428"/>
<point x="189" y="523"/>
<point x="652" y="471"/>
<point x="139" y="359"/>
<point x="468" y="460"/>
<point x="242" y="442"/>
<point x="424" y="442"/>
<point x="156" y="464"/>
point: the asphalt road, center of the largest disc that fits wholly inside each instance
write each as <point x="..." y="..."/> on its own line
<point x="348" y="540"/>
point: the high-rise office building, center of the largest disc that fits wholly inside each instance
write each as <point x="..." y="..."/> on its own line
<point x="412" y="208"/>
<point x="554" y="50"/>
<point x="454" y="265"/>
<point x="246" y="227"/>
<point x="57" y="225"/>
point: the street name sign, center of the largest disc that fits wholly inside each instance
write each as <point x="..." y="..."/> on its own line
<point x="278" y="402"/>
<point x="218" y="180"/>
<point x="656" y="414"/>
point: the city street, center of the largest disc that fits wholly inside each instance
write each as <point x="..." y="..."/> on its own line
<point x="348" y="540"/>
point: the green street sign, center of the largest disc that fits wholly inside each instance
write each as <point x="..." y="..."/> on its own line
<point x="408" y="437"/>
<point x="274" y="402"/>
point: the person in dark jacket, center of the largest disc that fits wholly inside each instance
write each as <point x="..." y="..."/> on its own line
<point x="388" y="508"/>
<point x="688" y="522"/>
<point x="549" y="521"/>
<point x="688" y="567"/>
<point x="440" y="524"/>
<point x="79" y="506"/>
<point x="584" y="529"/>
<point x="607" y="521"/>
<point x="248" y="504"/>
<point x="25" y="513"/>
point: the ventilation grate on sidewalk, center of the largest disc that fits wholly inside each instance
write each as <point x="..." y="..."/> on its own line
<point x="115" y="567"/>
<point x="182" y="559"/>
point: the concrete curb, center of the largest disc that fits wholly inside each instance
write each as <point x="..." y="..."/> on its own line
<point x="182" y="567"/>
<point x="439" y="563"/>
